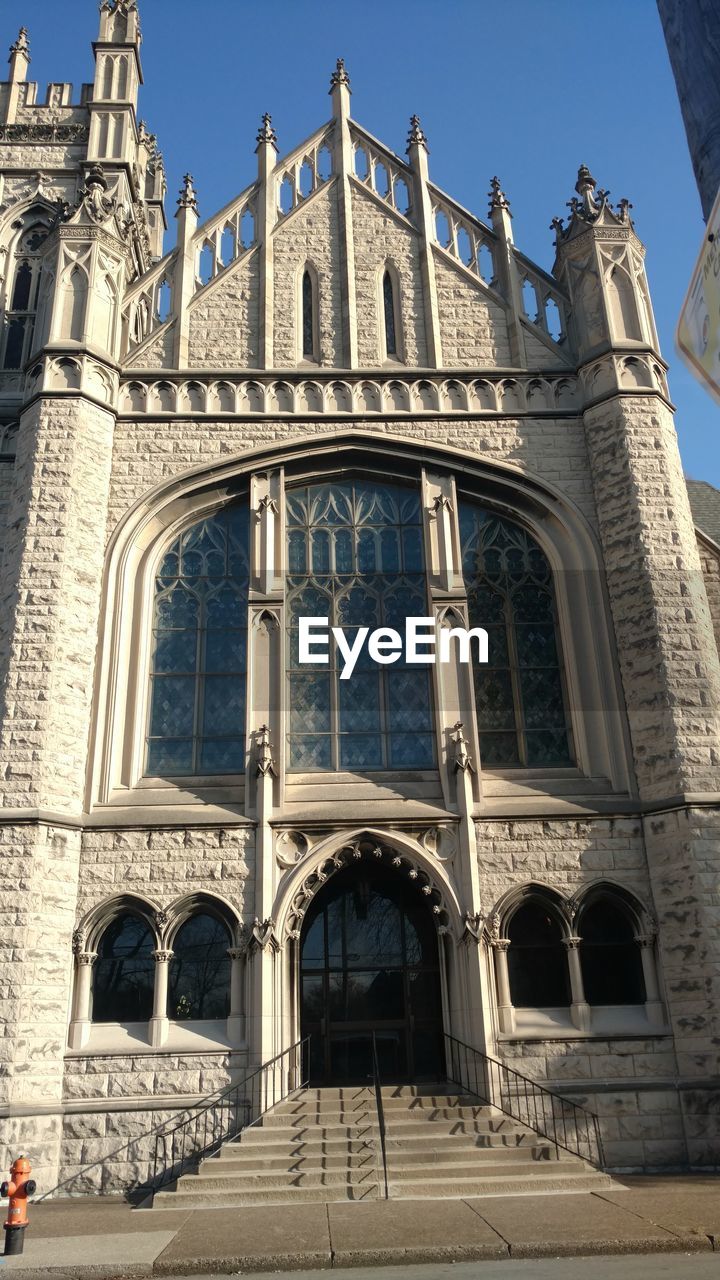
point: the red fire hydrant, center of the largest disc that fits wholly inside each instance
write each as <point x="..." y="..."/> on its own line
<point x="21" y="1186"/>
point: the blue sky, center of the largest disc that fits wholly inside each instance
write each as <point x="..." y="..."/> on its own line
<point x="527" y="89"/>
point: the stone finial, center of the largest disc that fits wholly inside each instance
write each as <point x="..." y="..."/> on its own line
<point x="416" y="136"/>
<point x="22" y="44"/>
<point x="497" y="197"/>
<point x="266" y="133"/>
<point x="462" y="762"/>
<point x="340" y="76"/>
<point x="188" y="194"/>
<point x="266" y="766"/>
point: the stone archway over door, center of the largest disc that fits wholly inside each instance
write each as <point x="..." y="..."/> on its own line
<point x="370" y="962"/>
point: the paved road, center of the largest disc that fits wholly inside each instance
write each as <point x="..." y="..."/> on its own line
<point x="674" y="1266"/>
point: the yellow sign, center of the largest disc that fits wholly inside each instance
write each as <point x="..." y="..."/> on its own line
<point x="698" y="331"/>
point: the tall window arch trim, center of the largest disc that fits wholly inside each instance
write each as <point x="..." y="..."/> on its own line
<point x="309" y="315"/>
<point x="355" y="555"/>
<point x="519" y="694"/>
<point x="391" y="315"/>
<point x="196" y="721"/>
<point x="21" y="300"/>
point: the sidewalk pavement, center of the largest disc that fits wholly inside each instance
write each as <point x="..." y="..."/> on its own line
<point x="104" y="1237"/>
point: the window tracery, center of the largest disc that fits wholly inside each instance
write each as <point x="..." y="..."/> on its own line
<point x="519" y="693"/>
<point x="22" y="298"/>
<point x="355" y="556"/>
<point x="199" y="662"/>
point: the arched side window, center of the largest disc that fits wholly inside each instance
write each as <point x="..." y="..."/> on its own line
<point x="309" y="302"/>
<point x="124" y="972"/>
<point x="537" y="960"/>
<point x="390" y="309"/>
<point x="623" y="305"/>
<point x="355" y="555"/>
<point x="610" y="956"/>
<point x="199" y="980"/>
<point x="198" y="667"/>
<point x="22" y="299"/>
<point x="519" y="692"/>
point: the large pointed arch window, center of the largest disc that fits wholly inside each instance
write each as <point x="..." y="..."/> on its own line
<point x="355" y="556"/>
<point x="22" y="299"/>
<point x="519" y="693"/>
<point x="198" y="668"/>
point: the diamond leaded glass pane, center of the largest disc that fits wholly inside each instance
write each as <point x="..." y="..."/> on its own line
<point x="355" y="556"/>
<point x="519" y="693"/>
<point x="199" y="658"/>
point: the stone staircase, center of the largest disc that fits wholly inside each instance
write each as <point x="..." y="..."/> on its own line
<point x="324" y="1144"/>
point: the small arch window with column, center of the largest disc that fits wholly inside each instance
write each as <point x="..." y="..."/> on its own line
<point x="587" y="964"/>
<point x="157" y="977"/>
<point x="21" y="300"/>
<point x="391" y="323"/>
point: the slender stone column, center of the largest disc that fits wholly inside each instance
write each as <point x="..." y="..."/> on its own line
<point x="343" y="165"/>
<point x="417" y="151"/>
<point x="80" y="1025"/>
<point x="236" y="1017"/>
<point x="506" y="1011"/>
<point x="579" y="1008"/>
<point x="185" y="270"/>
<point x="654" y="1007"/>
<point x="159" y="1023"/>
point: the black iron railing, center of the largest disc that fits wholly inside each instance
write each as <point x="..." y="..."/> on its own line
<point x="162" y="1154"/>
<point x="380" y="1111"/>
<point x="562" y="1122"/>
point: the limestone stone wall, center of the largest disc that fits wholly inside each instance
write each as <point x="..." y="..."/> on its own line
<point x="380" y="238"/>
<point x="710" y="564"/>
<point x="224" y="320"/>
<point x="628" y="1083"/>
<point x="165" y="864"/>
<point x="149" y="451"/>
<point x="50" y="600"/>
<point x="473" y="329"/>
<point x="562" y="854"/>
<point x="310" y="235"/>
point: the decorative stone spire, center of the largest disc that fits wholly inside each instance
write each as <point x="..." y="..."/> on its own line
<point x="21" y="45"/>
<point x="340" y="76"/>
<point x="266" y="133"/>
<point x="188" y="194"/>
<point x="590" y="207"/>
<point x="497" y="197"/>
<point x="416" y="137"/>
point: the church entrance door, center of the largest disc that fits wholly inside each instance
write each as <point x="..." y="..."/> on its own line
<point x="369" y="961"/>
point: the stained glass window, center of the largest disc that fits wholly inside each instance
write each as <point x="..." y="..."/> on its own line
<point x="519" y="692"/>
<point x="199" y="979"/>
<point x="391" y="348"/>
<point x="355" y="556"/>
<point x="537" y="961"/>
<point x="124" y="972"/>
<point x="19" y="321"/>
<point x="610" y="956"/>
<point x="197" y="695"/>
<point x="308" y="316"/>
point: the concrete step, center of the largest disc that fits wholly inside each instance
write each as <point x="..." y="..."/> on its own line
<point x="502" y="1185"/>
<point x="468" y="1171"/>
<point x="275" y="1195"/>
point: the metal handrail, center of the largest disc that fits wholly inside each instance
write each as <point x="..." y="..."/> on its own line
<point x="220" y="1118"/>
<point x="565" y="1123"/>
<point x="380" y="1111"/>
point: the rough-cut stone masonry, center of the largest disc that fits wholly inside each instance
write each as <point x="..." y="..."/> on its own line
<point x="564" y="855"/>
<point x="310" y="235"/>
<point x="50" y="599"/>
<point x="164" y="865"/>
<point x="148" y="452"/>
<point x="640" y="1127"/>
<point x="379" y="239"/>
<point x="710" y="564"/>
<point x="474" y="330"/>
<point x="224" y="320"/>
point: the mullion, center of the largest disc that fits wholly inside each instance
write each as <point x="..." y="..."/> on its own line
<point x="199" y="706"/>
<point x="515" y="679"/>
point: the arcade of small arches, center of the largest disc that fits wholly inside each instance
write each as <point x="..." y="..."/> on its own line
<point x="584" y="965"/>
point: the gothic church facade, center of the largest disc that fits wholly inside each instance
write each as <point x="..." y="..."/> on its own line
<point x="343" y="396"/>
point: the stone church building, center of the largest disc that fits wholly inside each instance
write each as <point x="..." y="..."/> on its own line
<point x="341" y="396"/>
